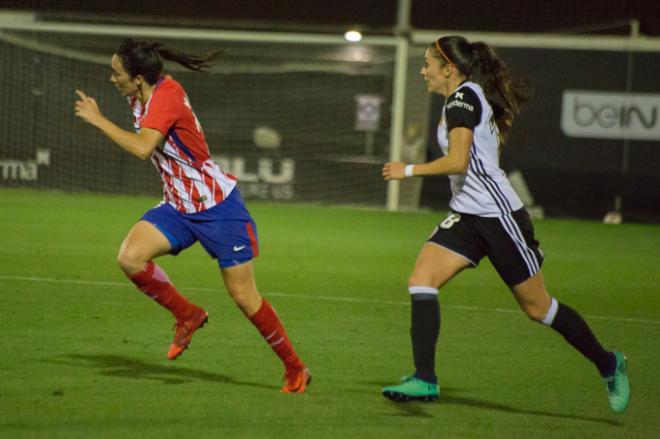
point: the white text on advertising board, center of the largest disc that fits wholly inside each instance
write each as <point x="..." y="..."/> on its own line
<point x="634" y="116"/>
<point x="26" y="170"/>
<point x="264" y="177"/>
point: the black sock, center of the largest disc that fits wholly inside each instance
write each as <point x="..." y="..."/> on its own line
<point x="424" y="330"/>
<point x="576" y="331"/>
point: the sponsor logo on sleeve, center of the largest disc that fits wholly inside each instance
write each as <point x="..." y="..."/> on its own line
<point x="460" y="104"/>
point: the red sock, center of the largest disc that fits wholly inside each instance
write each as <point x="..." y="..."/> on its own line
<point x="153" y="282"/>
<point x="273" y="332"/>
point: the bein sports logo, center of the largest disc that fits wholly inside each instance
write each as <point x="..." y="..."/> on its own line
<point x="611" y="115"/>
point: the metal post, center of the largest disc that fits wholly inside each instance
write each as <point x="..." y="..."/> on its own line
<point x="403" y="18"/>
<point x="398" y="108"/>
<point x="398" y="98"/>
<point x="625" y="150"/>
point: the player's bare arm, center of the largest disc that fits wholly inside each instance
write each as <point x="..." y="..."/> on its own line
<point x="456" y="162"/>
<point x="140" y="144"/>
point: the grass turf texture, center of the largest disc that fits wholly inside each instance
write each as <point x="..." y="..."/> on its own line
<point x="83" y="352"/>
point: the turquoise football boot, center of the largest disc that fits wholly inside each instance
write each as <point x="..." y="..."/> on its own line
<point x="618" y="386"/>
<point x="412" y="389"/>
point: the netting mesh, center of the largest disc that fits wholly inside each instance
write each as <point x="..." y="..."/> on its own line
<point x="282" y="117"/>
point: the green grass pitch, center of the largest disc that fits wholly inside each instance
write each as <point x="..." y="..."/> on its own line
<point x="83" y="352"/>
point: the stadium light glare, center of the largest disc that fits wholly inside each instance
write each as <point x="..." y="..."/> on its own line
<point x="353" y="36"/>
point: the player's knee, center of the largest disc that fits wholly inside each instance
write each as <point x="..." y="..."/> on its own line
<point x="535" y="312"/>
<point x="129" y="261"/>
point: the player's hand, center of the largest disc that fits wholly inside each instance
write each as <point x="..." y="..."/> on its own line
<point x="394" y="171"/>
<point x="87" y="109"/>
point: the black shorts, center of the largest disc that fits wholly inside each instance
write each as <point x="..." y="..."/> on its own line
<point x="508" y="241"/>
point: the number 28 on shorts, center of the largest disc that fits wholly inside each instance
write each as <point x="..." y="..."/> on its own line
<point x="451" y="219"/>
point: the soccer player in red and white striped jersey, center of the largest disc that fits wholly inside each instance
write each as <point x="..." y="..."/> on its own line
<point x="201" y="202"/>
<point x="192" y="182"/>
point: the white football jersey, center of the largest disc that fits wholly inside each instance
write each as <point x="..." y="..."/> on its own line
<point x="484" y="189"/>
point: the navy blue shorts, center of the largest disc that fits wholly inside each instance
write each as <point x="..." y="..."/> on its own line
<point x="226" y="231"/>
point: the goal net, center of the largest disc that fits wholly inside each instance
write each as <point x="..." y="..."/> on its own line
<point x="293" y="120"/>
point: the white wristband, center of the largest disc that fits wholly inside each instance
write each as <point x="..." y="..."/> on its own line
<point x="408" y="171"/>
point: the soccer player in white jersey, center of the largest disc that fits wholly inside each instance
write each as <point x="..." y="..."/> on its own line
<point x="487" y="218"/>
<point x="201" y="202"/>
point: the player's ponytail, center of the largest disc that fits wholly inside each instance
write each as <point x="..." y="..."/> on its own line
<point x="479" y="63"/>
<point x="503" y="92"/>
<point x="146" y="59"/>
<point x="187" y="60"/>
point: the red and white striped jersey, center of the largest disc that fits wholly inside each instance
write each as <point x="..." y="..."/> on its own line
<point x="192" y="182"/>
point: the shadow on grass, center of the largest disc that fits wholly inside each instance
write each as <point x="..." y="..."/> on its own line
<point x="125" y="367"/>
<point x="473" y="402"/>
<point x="448" y="397"/>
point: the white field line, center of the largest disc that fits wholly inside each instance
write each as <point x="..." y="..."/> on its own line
<point x="312" y="297"/>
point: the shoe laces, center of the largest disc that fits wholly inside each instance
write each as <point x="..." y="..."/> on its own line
<point x="296" y="378"/>
<point x="611" y="384"/>
<point x="180" y="329"/>
<point x="291" y="376"/>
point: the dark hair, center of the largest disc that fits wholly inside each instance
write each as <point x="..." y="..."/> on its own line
<point x="479" y="63"/>
<point x="146" y="59"/>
